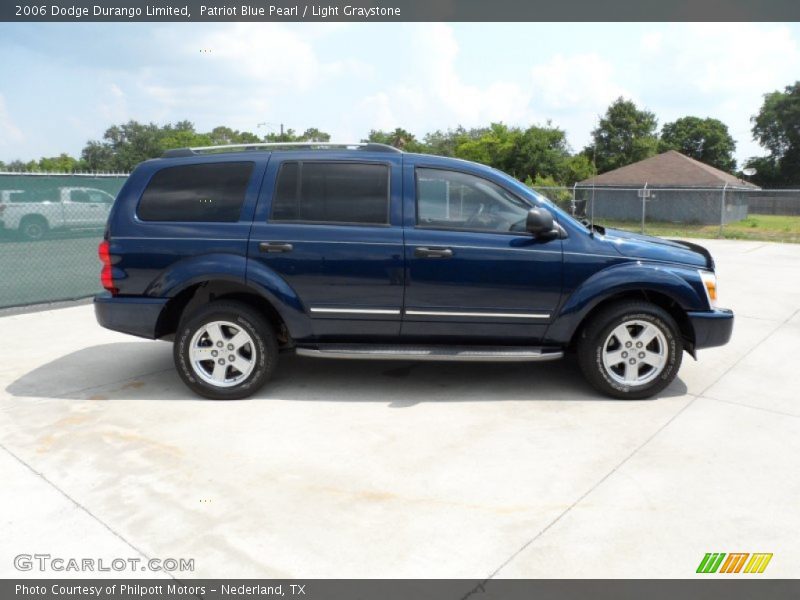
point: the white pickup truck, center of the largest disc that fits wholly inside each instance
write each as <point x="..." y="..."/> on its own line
<point x="73" y="208"/>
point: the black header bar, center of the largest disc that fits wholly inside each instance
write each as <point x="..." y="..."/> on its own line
<point x="399" y="10"/>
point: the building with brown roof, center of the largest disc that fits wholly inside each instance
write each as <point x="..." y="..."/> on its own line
<point x="667" y="187"/>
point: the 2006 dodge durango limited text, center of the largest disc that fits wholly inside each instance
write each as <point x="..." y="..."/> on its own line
<point x="238" y="254"/>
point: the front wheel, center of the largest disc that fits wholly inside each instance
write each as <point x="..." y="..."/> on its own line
<point x="225" y="351"/>
<point x="631" y="350"/>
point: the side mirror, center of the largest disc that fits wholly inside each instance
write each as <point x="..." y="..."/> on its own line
<point x="539" y="222"/>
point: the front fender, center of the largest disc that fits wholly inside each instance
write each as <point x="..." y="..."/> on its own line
<point x="681" y="284"/>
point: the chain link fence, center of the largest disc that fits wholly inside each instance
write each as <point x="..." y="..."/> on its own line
<point x="50" y="226"/>
<point x="726" y="212"/>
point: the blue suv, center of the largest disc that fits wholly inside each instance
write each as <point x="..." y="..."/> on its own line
<point x="360" y="251"/>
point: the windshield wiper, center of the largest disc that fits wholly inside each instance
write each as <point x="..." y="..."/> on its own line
<point x="593" y="226"/>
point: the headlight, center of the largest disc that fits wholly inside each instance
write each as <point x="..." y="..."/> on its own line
<point x="710" y="283"/>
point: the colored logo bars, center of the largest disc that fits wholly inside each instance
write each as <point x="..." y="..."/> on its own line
<point x="716" y="562"/>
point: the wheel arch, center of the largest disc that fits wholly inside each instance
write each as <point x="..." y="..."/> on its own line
<point x="201" y="293"/>
<point x="656" y="297"/>
<point x="664" y="287"/>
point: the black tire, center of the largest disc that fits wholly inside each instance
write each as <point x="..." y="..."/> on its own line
<point x="264" y="345"/>
<point x="33" y="228"/>
<point x="596" y="339"/>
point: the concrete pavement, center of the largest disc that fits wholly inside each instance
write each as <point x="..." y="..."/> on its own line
<point x="370" y="469"/>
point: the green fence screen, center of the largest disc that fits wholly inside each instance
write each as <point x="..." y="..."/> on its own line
<point x="50" y="226"/>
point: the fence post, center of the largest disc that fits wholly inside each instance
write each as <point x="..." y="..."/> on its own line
<point x="644" y="199"/>
<point x="722" y="209"/>
<point x="574" y="198"/>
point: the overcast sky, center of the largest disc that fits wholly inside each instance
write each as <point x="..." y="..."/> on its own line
<point x="62" y="84"/>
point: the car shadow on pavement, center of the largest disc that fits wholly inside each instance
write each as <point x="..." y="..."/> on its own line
<point x="144" y="371"/>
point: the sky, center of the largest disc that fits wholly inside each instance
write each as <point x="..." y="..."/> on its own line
<point x="62" y="84"/>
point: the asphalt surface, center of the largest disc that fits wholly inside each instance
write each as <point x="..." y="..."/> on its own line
<point x="370" y="469"/>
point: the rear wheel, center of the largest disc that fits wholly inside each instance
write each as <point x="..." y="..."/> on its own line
<point x="225" y="351"/>
<point x="631" y="350"/>
<point x="33" y="228"/>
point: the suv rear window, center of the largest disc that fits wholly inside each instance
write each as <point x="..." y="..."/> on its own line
<point x="332" y="193"/>
<point x="211" y="192"/>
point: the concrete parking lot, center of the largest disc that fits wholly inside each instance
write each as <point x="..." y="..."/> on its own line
<point x="369" y="469"/>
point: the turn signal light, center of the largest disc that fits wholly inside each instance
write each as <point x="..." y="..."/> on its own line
<point x="710" y="282"/>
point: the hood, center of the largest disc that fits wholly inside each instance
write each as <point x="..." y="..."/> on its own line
<point x="636" y="245"/>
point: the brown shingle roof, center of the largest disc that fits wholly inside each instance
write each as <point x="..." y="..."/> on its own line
<point x="667" y="170"/>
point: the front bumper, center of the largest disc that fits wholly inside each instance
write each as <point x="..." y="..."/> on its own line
<point x="135" y="316"/>
<point x="711" y="328"/>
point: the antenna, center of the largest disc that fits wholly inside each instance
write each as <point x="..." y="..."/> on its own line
<point x="594" y="168"/>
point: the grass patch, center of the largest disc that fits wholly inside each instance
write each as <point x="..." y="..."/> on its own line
<point x="767" y="228"/>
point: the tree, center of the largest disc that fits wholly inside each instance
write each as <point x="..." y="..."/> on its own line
<point x="312" y="134"/>
<point x="541" y="152"/>
<point x="63" y="163"/>
<point x="624" y="135"/>
<point x="399" y="138"/>
<point x="222" y="135"/>
<point x="706" y="140"/>
<point x="777" y="128"/>
<point x="444" y="143"/>
<point x="126" y="145"/>
<point x="18" y="165"/>
<point x="496" y="146"/>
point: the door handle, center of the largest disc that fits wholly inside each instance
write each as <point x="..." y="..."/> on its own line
<point x="425" y="252"/>
<point x="275" y="247"/>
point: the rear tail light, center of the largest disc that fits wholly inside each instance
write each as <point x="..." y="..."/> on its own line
<point x="104" y="252"/>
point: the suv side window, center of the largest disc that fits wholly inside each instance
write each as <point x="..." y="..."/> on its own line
<point x="330" y="192"/>
<point x="211" y="192"/>
<point x="454" y="200"/>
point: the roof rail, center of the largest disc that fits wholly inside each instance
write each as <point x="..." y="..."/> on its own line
<point x="364" y="146"/>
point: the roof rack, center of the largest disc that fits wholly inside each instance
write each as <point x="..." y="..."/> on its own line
<point x="363" y="146"/>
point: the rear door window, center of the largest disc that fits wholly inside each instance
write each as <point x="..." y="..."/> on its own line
<point x="329" y="192"/>
<point x="211" y="192"/>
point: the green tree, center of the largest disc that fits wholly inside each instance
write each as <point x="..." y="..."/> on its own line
<point x="496" y="146"/>
<point x="624" y="135"/>
<point x="18" y="165"/>
<point x="577" y="168"/>
<point x="444" y="143"/>
<point x="706" y="140"/>
<point x="777" y="128"/>
<point x="399" y="138"/>
<point x="541" y="152"/>
<point x="124" y="146"/>
<point x="312" y="134"/>
<point x="63" y="163"/>
<point x="222" y="135"/>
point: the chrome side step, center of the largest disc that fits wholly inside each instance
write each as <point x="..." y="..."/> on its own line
<point x="443" y="353"/>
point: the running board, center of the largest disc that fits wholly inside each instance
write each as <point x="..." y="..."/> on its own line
<point x="444" y="353"/>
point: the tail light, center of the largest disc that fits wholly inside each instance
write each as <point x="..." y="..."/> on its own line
<point x="104" y="252"/>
